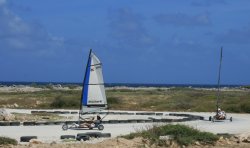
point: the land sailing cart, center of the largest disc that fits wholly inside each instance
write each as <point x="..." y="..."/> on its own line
<point x="84" y="125"/>
<point x="93" y="96"/>
<point x="220" y="115"/>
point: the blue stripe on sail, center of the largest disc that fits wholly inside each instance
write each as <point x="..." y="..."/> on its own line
<point x="86" y="86"/>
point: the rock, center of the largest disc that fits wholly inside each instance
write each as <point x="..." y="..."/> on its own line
<point x="35" y="141"/>
<point x="16" y="105"/>
<point x="197" y="143"/>
<point x="167" y="137"/>
<point x="3" y="112"/>
<point x="6" y="116"/>
<point x="52" y="143"/>
<point x="236" y="137"/>
<point x="227" y="141"/>
<point x="9" y="117"/>
<point x="1" y="118"/>
<point x="221" y="139"/>
<point x="233" y="139"/>
<point x="246" y="140"/>
<point x="38" y="103"/>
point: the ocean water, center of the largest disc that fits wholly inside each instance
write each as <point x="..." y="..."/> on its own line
<point x="122" y="84"/>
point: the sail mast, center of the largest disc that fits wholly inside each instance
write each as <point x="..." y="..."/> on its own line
<point x="83" y="85"/>
<point x="218" y="87"/>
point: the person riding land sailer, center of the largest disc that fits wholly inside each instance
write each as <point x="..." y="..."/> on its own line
<point x="221" y="114"/>
<point x="90" y="122"/>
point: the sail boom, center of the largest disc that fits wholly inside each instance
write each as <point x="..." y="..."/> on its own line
<point x="95" y="84"/>
<point x="96" y="64"/>
<point x="97" y="105"/>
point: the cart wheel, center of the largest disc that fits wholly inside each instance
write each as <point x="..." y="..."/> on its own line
<point x="65" y="127"/>
<point x="210" y="118"/>
<point x="231" y="119"/>
<point x="100" y="127"/>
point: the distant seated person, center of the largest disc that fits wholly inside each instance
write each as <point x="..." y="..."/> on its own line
<point x="98" y="119"/>
<point x="221" y="114"/>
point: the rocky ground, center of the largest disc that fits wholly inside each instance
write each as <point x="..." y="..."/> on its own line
<point x="234" y="141"/>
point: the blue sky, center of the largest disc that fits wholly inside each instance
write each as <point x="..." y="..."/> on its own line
<point x="138" y="41"/>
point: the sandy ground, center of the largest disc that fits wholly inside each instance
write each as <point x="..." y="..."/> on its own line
<point x="50" y="133"/>
<point x="240" y="124"/>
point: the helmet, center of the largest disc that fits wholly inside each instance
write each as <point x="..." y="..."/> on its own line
<point x="98" y="117"/>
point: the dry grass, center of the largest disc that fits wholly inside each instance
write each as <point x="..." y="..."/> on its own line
<point x="38" y="117"/>
<point x="174" y="99"/>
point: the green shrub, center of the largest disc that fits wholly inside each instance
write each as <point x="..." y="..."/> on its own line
<point x="233" y="108"/>
<point x="6" y="140"/>
<point x="248" y="86"/>
<point x="182" y="134"/>
<point x="60" y="102"/>
<point x="206" y="137"/>
<point x="72" y="86"/>
<point x="49" y="86"/>
<point x="245" y="107"/>
<point x="33" y="84"/>
<point x="113" y="100"/>
<point x="131" y="136"/>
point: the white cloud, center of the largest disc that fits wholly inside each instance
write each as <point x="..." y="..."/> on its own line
<point x="235" y="36"/>
<point x="127" y="28"/>
<point x="182" y="19"/>
<point x="17" y="35"/>
<point x="2" y="2"/>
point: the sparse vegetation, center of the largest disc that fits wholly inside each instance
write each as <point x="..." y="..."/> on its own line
<point x="72" y="86"/>
<point x="37" y="117"/>
<point x="49" y="86"/>
<point x="62" y="102"/>
<point x="160" y="99"/>
<point x="248" y="86"/>
<point x="7" y="140"/>
<point x="182" y="134"/>
<point x="113" y="101"/>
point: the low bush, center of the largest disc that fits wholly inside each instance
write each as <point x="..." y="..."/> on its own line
<point x="7" y="140"/>
<point x="233" y="108"/>
<point x="113" y="100"/>
<point x="248" y="86"/>
<point x="182" y="134"/>
<point x="245" y="107"/>
<point x="61" y="102"/>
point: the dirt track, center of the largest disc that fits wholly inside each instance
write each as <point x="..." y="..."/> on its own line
<point x="50" y="133"/>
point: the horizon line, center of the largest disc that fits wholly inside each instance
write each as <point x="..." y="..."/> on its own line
<point x="123" y="83"/>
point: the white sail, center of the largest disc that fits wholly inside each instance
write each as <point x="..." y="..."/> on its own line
<point x="93" y="93"/>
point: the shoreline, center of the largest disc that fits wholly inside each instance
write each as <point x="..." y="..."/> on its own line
<point x="31" y="88"/>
